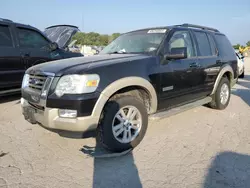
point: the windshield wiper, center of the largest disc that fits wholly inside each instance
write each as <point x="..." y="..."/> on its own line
<point x="118" y="52"/>
<point x="122" y="52"/>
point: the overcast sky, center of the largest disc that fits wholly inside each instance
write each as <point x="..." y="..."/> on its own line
<point x="108" y="16"/>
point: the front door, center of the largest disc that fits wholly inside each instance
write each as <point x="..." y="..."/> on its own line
<point x="178" y="76"/>
<point x="11" y="67"/>
<point x="34" y="47"/>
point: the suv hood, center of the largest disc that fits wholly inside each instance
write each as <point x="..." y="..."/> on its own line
<point x="61" y="34"/>
<point x="82" y="64"/>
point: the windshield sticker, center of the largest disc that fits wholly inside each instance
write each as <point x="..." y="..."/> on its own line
<point x="157" y="31"/>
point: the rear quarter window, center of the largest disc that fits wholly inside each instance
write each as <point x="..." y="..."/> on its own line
<point x="212" y="44"/>
<point x="224" y="46"/>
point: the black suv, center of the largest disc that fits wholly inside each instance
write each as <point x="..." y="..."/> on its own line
<point x="154" y="71"/>
<point x="22" y="46"/>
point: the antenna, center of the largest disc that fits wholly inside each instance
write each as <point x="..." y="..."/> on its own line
<point x="82" y="22"/>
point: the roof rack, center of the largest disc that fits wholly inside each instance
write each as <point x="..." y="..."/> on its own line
<point x="5" y="20"/>
<point x="199" y="27"/>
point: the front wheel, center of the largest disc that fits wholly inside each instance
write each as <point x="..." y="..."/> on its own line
<point x="222" y="95"/>
<point x="123" y="124"/>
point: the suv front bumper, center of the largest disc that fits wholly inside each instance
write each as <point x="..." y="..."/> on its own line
<point x="49" y="118"/>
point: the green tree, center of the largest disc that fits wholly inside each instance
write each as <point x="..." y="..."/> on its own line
<point x="79" y="37"/>
<point x="114" y="36"/>
<point x="93" y="38"/>
<point x="104" y="40"/>
<point x="237" y="46"/>
<point x="248" y="43"/>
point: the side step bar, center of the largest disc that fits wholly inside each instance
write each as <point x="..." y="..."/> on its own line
<point x="180" y="109"/>
<point x="10" y="91"/>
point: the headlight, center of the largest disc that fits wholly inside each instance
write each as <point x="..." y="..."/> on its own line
<point x="25" y="82"/>
<point x="77" y="84"/>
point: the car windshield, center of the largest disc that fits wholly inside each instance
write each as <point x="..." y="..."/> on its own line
<point x="144" y="41"/>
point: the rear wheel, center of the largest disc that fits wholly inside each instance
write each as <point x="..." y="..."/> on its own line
<point x="222" y="95"/>
<point x="123" y="124"/>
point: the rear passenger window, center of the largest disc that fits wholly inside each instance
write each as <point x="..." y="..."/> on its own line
<point x="203" y="43"/>
<point x="224" y="46"/>
<point x="212" y="44"/>
<point x="5" y="37"/>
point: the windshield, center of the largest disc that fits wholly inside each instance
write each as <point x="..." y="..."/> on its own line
<point x="144" y="41"/>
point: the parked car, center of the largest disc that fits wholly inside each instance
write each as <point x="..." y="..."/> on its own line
<point x="241" y="66"/>
<point x="154" y="71"/>
<point x="22" y="46"/>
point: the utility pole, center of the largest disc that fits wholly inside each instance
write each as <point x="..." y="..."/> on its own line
<point x="82" y="23"/>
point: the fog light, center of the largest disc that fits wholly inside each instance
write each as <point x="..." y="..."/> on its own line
<point x="67" y="113"/>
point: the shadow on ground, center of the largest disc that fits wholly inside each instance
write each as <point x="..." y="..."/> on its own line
<point x="245" y="82"/>
<point x="112" y="169"/>
<point x="243" y="93"/>
<point x="228" y="170"/>
<point x="9" y="98"/>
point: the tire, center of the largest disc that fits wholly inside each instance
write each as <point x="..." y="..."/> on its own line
<point x="216" y="98"/>
<point x="105" y="130"/>
<point x="242" y="75"/>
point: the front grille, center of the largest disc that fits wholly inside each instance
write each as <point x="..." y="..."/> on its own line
<point x="37" y="81"/>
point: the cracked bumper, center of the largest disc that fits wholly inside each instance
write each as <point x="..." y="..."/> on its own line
<point x="49" y="118"/>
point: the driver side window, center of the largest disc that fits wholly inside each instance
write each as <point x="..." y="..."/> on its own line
<point x="181" y="39"/>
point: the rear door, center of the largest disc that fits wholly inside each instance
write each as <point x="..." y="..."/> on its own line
<point x="34" y="47"/>
<point x="11" y="67"/>
<point x="208" y="59"/>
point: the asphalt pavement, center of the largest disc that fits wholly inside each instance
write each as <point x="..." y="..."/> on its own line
<point x="199" y="148"/>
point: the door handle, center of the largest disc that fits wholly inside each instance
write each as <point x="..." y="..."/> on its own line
<point x="25" y="55"/>
<point x="218" y="62"/>
<point x="194" y="65"/>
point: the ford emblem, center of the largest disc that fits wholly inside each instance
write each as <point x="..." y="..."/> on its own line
<point x="34" y="81"/>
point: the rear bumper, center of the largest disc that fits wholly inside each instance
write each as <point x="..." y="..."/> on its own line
<point x="49" y="118"/>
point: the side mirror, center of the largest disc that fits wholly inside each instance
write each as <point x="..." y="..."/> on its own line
<point x="177" y="53"/>
<point x="53" y="46"/>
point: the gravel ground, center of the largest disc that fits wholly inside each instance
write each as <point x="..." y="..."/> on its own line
<point x="198" y="148"/>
